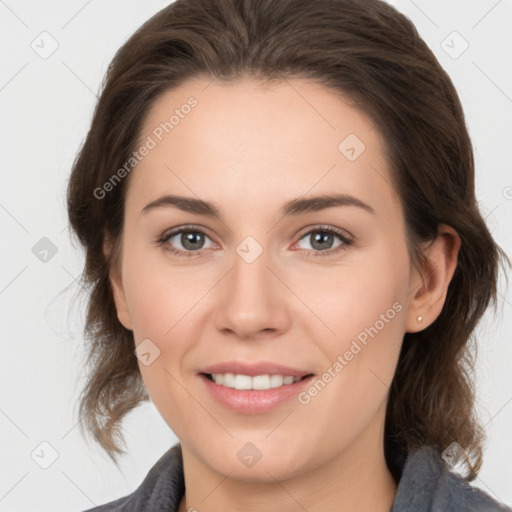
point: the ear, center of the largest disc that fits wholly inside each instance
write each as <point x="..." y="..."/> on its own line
<point x="116" y="284"/>
<point x="429" y="285"/>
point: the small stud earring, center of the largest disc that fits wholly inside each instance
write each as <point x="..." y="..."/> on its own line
<point x="420" y="318"/>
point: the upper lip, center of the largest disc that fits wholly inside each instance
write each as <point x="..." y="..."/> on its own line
<point x="253" y="369"/>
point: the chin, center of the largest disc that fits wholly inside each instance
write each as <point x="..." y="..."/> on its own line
<point x="254" y="462"/>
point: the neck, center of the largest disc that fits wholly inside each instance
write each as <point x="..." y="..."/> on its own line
<point x="355" y="479"/>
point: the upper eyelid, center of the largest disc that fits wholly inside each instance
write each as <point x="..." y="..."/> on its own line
<point x="324" y="227"/>
<point x="173" y="232"/>
<point x="342" y="233"/>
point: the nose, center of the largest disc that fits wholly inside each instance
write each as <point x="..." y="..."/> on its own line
<point x="253" y="299"/>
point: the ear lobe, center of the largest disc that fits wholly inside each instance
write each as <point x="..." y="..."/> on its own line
<point x="116" y="285"/>
<point x="432" y="280"/>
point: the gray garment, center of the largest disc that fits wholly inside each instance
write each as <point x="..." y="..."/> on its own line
<point x="425" y="485"/>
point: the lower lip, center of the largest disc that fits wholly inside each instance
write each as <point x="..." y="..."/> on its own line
<point x="254" y="401"/>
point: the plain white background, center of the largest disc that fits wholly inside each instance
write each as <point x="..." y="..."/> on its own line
<point x="46" y="107"/>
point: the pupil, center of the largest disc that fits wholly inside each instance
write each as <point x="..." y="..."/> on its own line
<point x="319" y="237"/>
<point x="320" y="240"/>
<point x="190" y="238"/>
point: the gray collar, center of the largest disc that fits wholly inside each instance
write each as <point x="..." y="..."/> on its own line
<point x="426" y="485"/>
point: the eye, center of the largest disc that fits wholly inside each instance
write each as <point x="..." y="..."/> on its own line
<point x="190" y="239"/>
<point x="321" y="240"/>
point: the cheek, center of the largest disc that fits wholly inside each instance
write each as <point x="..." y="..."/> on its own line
<point x="160" y="304"/>
<point x="361" y="358"/>
<point x="163" y="304"/>
<point x="362" y="300"/>
<point x="371" y="309"/>
<point x="365" y="309"/>
<point x="151" y="306"/>
<point x="158" y="294"/>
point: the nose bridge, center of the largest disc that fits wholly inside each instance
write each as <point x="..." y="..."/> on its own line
<point x="253" y="297"/>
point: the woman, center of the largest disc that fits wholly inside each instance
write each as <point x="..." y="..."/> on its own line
<point x="232" y="139"/>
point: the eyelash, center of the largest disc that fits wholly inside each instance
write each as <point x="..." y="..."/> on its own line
<point x="322" y="229"/>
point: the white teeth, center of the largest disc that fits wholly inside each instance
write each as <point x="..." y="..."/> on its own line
<point x="237" y="381"/>
<point x="228" y="379"/>
<point x="276" y="381"/>
<point x="243" y="382"/>
<point x="261" y="382"/>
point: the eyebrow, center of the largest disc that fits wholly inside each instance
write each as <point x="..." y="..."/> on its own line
<point x="294" y="207"/>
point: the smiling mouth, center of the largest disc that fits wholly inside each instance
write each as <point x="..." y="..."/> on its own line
<point x="253" y="383"/>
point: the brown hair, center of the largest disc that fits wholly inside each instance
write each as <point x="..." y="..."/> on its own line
<point x="370" y="53"/>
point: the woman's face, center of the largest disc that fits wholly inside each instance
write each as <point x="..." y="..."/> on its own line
<point x="277" y="277"/>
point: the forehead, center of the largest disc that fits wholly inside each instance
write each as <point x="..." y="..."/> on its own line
<point x="273" y="140"/>
<point x="250" y="111"/>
